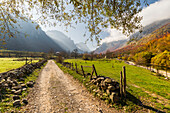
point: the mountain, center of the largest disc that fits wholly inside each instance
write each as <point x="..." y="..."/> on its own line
<point x="156" y="42"/>
<point x="83" y="47"/>
<point x="110" y="46"/>
<point x="36" y="41"/>
<point x="61" y="39"/>
<point x="148" y="29"/>
<point x="121" y="45"/>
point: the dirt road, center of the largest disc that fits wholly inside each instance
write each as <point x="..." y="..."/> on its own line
<point x="56" y="92"/>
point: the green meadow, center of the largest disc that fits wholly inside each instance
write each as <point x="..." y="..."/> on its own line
<point x="6" y="105"/>
<point x="139" y="80"/>
<point x="7" y="64"/>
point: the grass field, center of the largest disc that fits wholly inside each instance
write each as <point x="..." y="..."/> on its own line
<point x="139" y="80"/>
<point x="6" y="104"/>
<point x="7" y="64"/>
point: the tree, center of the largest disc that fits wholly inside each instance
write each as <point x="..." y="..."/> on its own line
<point x="144" y="58"/>
<point x="75" y="52"/>
<point x="108" y="54"/>
<point x="162" y="59"/>
<point x="51" y="53"/>
<point x="85" y="56"/>
<point x="125" y="57"/>
<point x="92" y="55"/>
<point x="96" y="14"/>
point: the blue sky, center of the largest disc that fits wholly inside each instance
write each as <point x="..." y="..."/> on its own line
<point x="157" y="10"/>
<point x="149" y="2"/>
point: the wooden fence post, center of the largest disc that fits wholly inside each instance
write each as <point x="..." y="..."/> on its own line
<point x="31" y="61"/>
<point x="94" y="70"/>
<point x="26" y="61"/>
<point x="82" y="70"/>
<point x="92" y="73"/>
<point x="124" y="79"/>
<point x="72" y="66"/>
<point x="121" y="81"/>
<point x="76" y="67"/>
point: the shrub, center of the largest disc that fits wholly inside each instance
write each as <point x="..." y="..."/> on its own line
<point x="85" y="57"/>
<point x="143" y="58"/>
<point x="130" y="59"/>
<point x="162" y="59"/>
<point x="119" y="57"/>
<point x="59" y="59"/>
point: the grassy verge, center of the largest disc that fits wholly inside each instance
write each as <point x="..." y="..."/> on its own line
<point x="71" y="72"/>
<point x="129" y="106"/>
<point x="135" y="76"/>
<point x="7" y="64"/>
<point x="6" y="105"/>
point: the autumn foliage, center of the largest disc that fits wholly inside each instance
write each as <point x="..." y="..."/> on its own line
<point x="153" y="47"/>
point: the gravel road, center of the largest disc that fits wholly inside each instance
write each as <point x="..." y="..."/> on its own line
<point x="56" y="92"/>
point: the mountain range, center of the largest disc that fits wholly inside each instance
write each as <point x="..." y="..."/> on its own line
<point x="156" y="42"/>
<point x="66" y="43"/>
<point x="36" y="39"/>
<point x="110" y="46"/>
<point x="134" y="38"/>
<point x="39" y="41"/>
<point x="148" y="29"/>
<point x="83" y="47"/>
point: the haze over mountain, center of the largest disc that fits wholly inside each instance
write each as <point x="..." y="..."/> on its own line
<point x="155" y="42"/>
<point x="110" y="46"/>
<point x="149" y="29"/>
<point x="157" y="10"/>
<point x="113" y="45"/>
<point x="66" y="43"/>
<point x="83" y="47"/>
<point x="37" y="40"/>
<point x="61" y="39"/>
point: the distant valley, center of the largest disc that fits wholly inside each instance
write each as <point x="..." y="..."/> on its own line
<point x="36" y="39"/>
<point x="66" y="43"/>
<point x="39" y="41"/>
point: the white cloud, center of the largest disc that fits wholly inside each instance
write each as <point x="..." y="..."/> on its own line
<point x="114" y="36"/>
<point x="154" y="12"/>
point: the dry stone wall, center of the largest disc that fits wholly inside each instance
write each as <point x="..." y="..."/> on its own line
<point x="107" y="87"/>
<point x="12" y="81"/>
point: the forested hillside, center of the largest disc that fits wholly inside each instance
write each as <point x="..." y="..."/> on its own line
<point x="153" y="48"/>
<point x="148" y="29"/>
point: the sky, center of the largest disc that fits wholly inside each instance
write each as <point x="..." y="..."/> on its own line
<point x="157" y="10"/>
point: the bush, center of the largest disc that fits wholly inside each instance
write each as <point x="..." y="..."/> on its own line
<point x="162" y="59"/>
<point x="130" y="59"/>
<point x="59" y="59"/>
<point x="119" y="57"/>
<point x="143" y="58"/>
<point x="85" y="57"/>
<point x="124" y="58"/>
